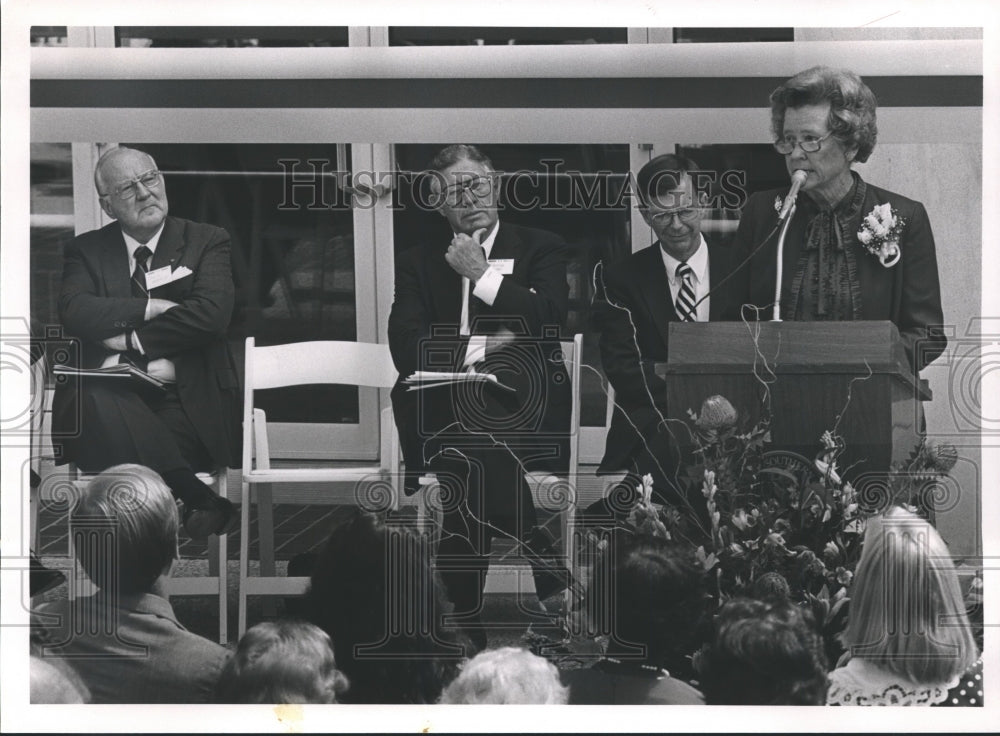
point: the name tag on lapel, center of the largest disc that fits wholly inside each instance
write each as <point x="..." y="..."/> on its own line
<point x="503" y="266"/>
<point x="161" y="276"/>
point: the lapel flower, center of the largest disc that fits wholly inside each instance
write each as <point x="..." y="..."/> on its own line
<point x="777" y="204"/>
<point x="880" y="232"/>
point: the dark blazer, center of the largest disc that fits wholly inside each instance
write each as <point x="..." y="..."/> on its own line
<point x="96" y="302"/>
<point x="908" y="294"/>
<point x="634" y="337"/>
<point x="532" y="303"/>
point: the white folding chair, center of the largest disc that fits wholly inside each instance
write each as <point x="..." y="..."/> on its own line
<point x="549" y="492"/>
<point x="296" y="364"/>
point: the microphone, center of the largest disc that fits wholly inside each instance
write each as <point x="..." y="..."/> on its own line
<point x="798" y="179"/>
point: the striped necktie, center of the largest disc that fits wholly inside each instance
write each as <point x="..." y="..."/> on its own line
<point x="684" y="305"/>
<point x="142" y="254"/>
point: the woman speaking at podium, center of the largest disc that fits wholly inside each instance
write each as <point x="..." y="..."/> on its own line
<point x="852" y="251"/>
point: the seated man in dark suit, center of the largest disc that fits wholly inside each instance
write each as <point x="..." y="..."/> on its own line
<point x="125" y="641"/>
<point x="494" y="299"/>
<point x="679" y="277"/>
<point x="155" y="291"/>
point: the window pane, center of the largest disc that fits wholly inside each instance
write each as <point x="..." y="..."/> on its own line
<point x="292" y="250"/>
<point x="230" y="36"/>
<point x="500" y="36"/>
<point x="51" y="223"/>
<point x="732" y="35"/>
<point x="576" y="191"/>
<point x="48" y="35"/>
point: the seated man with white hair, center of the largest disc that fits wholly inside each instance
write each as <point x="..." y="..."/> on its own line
<point x="125" y="641"/>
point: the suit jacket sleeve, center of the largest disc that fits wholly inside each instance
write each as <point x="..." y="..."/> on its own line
<point x="409" y="320"/>
<point x="82" y="310"/>
<point x="203" y="315"/>
<point x="633" y="379"/>
<point x="411" y="317"/>
<point x="544" y="300"/>
<point x="920" y="313"/>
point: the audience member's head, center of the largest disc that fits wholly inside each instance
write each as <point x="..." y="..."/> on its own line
<point x="764" y="653"/>
<point x="55" y="682"/>
<point x="374" y="592"/>
<point x="507" y="676"/>
<point x="133" y="505"/>
<point x="655" y="597"/>
<point x="907" y="614"/>
<point x="282" y="661"/>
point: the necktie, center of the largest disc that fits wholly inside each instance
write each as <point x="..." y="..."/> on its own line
<point x="142" y="254"/>
<point x="139" y="291"/>
<point x="685" y="297"/>
<point x="471" y="306"/>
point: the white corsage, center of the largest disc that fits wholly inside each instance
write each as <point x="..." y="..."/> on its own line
<point x="880" y="233"/>
<point x="777" y="204"/>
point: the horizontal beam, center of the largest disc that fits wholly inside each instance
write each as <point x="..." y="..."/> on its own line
<point x="434" y="125"/>
<point x="478" y="92"/>
<point x="588" y="61"/>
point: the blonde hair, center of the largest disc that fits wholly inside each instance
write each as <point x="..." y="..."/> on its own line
<point x="134" y="505"/>
<point x="282" y="662"/>
<point x="507" y="676"/>
<point x="907" y="613"/>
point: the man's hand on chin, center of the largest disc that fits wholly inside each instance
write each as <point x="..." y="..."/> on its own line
<point x="465" y="255"/>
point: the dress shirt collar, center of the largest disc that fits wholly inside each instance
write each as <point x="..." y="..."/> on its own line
<point x="133" y="245"/>
<point x="698" y="262"/>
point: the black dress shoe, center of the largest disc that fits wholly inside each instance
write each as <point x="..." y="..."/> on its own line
<point x="42" y="578"/>
<point x="217" y="516"/>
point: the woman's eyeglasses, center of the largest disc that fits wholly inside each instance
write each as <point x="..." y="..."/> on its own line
<point x="809" y="144"/>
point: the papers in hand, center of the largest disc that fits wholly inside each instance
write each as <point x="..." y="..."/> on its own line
<point x="119" y="371"/>
<point x="429" y="379"/>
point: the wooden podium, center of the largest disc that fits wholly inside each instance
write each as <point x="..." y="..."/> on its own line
<point x="849" y="376"/>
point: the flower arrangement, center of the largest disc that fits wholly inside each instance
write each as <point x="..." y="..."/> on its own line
<point x="776" y="523"/>
<point x="880" y="233"/>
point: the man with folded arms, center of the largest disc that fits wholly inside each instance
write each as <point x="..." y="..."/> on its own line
<point x="155" y="291"/>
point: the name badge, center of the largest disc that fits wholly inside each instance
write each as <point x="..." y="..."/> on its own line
<point x="504" y="266"/>
<point x="160" y="276"/>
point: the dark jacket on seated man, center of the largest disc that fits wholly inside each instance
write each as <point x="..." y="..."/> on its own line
<point x="141" y="653"/>
<point x="681" y="277"/>
<point x="125" y="641"/>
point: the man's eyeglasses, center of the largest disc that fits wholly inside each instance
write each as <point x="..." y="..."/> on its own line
<point x="477" y="186"/>
<point x="809" y="144"/>
<point x="688" y="214"/>
<point x="149" y="179"/>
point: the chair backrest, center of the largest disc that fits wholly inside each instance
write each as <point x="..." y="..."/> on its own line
<point x="314" y="362"/>
<point x="319" y="361"/>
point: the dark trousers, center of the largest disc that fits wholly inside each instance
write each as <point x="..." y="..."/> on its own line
<point x="484" y="496"/>
<point x="106" y="422"/>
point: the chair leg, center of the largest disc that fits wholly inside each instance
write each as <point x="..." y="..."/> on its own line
<point x="265" y="540"/>
<point x="241" y="625"/>
<point x="217" y="568"/>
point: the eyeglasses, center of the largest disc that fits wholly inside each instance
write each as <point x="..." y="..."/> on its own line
<point x="149" y="179"/>
<point x="809" y="144"/>
<point x="478" y="186"/>
<point x="688" y="214"/>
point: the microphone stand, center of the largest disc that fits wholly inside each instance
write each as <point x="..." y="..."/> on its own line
<point x="776" y="316"/>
